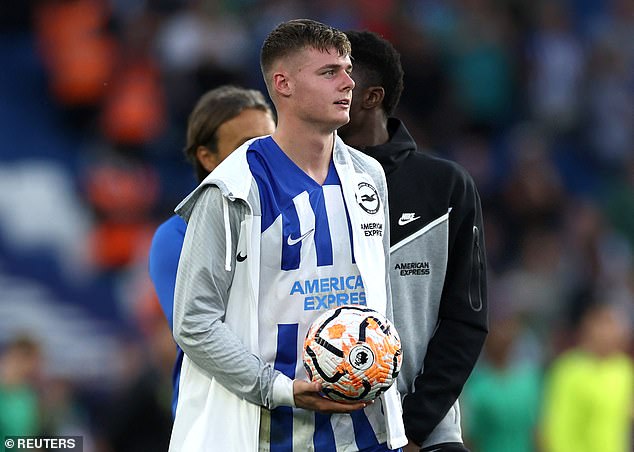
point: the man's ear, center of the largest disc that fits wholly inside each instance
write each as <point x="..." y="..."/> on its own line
<point x="373" y="97"/>
<point x="282" y="84"/>
<point x="208" y="159"/>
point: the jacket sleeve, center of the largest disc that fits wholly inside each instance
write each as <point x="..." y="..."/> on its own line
<point x="201" y="295"/>
<point x="462" y="325"/>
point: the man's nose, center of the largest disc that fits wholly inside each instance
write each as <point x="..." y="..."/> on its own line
<point x="349" y="82"/>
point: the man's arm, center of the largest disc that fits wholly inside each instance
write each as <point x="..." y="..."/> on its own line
<point x="202" y="292"/>
<point x="200" y="301"/>
<point x="456" y="344"/>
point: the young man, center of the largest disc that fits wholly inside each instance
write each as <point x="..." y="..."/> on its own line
<point x="437" y="268"/>
<point x="222" y="120"/>
<point x="278" y="218"/>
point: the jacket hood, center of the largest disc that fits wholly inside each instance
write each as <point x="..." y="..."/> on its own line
<point x="231" y="176"/>
<point x="399" y="146"/>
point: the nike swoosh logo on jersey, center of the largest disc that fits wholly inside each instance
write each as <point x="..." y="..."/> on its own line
<point x="291" y="241"/>
<point x="407" y="218"/>
<point x="240" y="257"/>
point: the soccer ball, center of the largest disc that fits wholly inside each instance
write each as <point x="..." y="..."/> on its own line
<point x="354" y="352"/>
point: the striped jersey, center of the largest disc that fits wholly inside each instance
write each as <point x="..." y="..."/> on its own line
<point x="307" y="265"/>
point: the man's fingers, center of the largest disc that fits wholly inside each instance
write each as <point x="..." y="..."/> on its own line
<point x="307" y="395"/>
<point x="324" y="405"/>
<point x="337" y="407"/>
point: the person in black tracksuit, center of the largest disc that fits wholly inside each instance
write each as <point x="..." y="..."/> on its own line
<point x="438" y="269"/>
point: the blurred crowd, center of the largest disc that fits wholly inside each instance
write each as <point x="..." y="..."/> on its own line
<point x="535" y="99"/>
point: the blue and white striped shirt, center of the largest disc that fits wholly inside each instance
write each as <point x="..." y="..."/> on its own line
<point x="307" y="265"/>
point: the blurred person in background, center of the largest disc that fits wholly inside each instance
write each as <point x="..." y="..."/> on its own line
<point x="223" y="119"/>
<point x="63" y="411"/>
<point x="437" y="251"/>
<point x="556" y="66"/>
<point x="589" y="393"/>
<point x="136" y="415"/>
<point x="618" y="200"/>
<point x="502" y="396"/>
<point x="20" y="371"/>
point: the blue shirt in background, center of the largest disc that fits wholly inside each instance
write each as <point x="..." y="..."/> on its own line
<point x="164" y="255"/>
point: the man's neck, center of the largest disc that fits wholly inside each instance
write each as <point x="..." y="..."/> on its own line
<point x="309" y="150"/>
<point x="373" y="133"/>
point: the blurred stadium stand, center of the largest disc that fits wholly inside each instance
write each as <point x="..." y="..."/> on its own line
<point x="535" y="99"/>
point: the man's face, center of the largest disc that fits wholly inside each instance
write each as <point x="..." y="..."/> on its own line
<point x="321" y="87"/>
<point x="250" y="123"/>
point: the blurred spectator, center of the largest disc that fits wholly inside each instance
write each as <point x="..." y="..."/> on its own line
<point x="377" y="16"/>
<point x="133" y="113"/>
<point x="598" y="258"/>
<point x="473" y="150"/>
<point x="341" y="15"/>
<point x="480" y="52"/>
<point x="535" y="284"/>
<point x="433" y="120"/>
<point x="590" y="389"/>
<point x="199" y="46"/>
<point x="502" y="397"/>
<point x="78" y="51"/>
<point x="611" y="100"/>
<point x="533" y="192"/>
<point x="557" y="62"/>
<point x="137" y="416"/>
<point x="618" y="198"/>
<point x="122" y="193"/>
<point x="20" y="371"/>
<point x="62" y="412"/>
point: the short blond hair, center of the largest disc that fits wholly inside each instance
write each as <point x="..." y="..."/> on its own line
<point x="295" y="35"/>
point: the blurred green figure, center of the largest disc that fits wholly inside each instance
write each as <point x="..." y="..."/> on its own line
<point x="501" y="399"/>
<point x="20" y="365"/>
<point x="590" y="388"/>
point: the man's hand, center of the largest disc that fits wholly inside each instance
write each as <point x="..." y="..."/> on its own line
<point x="411" y="447"/>
<point x="307" y="396"/>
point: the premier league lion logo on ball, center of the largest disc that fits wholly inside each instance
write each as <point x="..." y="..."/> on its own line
<point x="355" y="352"/>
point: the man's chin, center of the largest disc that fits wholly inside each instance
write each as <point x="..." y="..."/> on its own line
<point x="344" y="125"/>
<point x="337" y="124"/>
